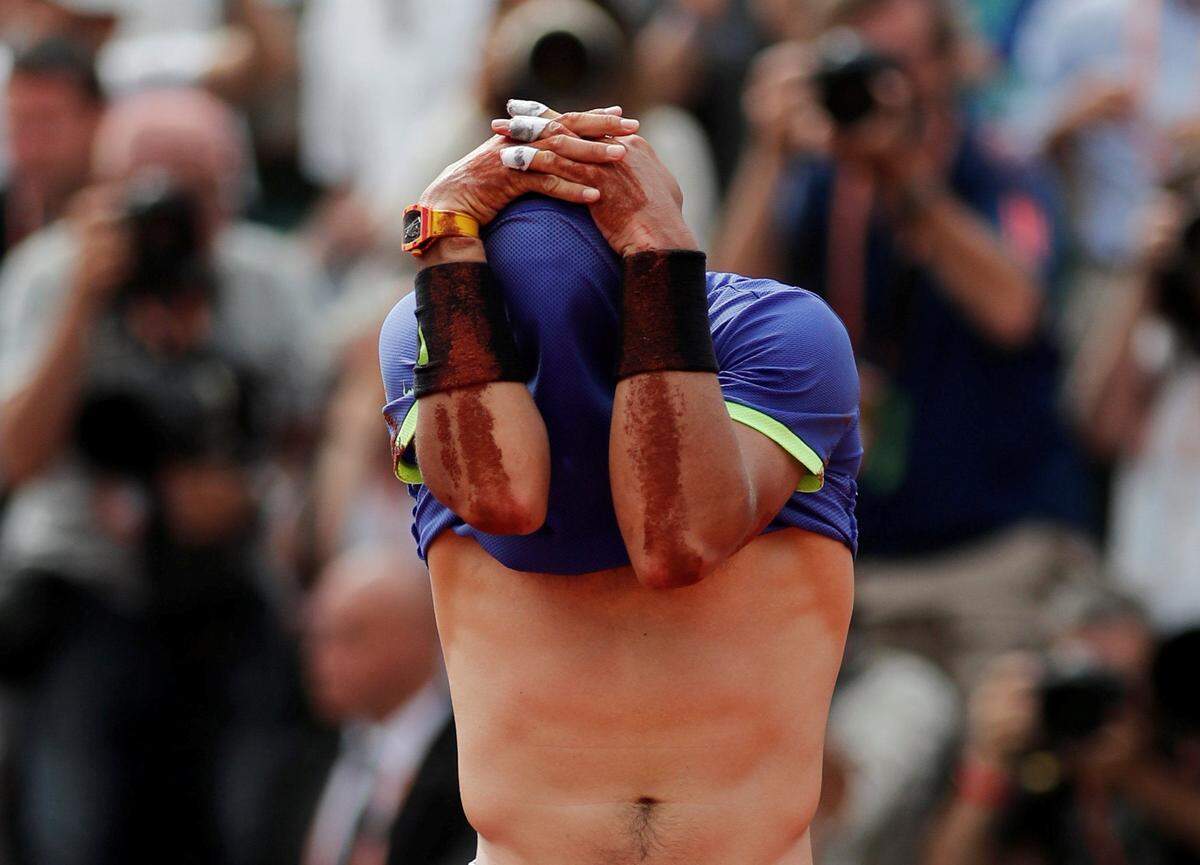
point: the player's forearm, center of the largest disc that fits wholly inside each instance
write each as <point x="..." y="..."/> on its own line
<point x="35" y="422"/>
<point x="484" y="454"/>
<point x="482" y="448"/>
<point x="976" y="270"/>
<point x="681" y="491"/>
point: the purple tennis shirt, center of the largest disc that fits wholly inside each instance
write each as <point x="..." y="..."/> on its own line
<point x="786" y="370"/>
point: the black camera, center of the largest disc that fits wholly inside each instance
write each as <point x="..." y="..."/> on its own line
<point x="142" y="414"/>
<point x="1078" y="698"/>
<point x="166" y="238"/>
<point x="847" y="74"/>
<point x="1178" y="284"/>
<point x="1173" y="684"/>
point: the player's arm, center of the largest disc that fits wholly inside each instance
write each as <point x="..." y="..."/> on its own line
<point x="482" y="448"/>
<point x="478" y="439"/>
<point x="690" y="486"/>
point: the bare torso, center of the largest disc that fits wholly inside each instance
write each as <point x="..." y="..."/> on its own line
<point x="602" y="723"/>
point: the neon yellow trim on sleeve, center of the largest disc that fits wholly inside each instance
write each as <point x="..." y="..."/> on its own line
<point x="410" y="474"/>
<point x="786" y="439"/>
<point x="423" y="349"/>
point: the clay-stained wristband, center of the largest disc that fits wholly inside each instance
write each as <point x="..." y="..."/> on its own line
<point x="465" y="336"/>
<point x="664" y="314"/>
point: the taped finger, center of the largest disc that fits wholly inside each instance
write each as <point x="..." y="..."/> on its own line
<point x="518" y="158"/>
<point x="523" y="128"/>
<point x="528" y="108"/>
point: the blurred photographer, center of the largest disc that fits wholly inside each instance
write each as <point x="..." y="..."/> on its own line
<point x="868" y="184"/>
<point x="151" y="364"/>
<point x="52" y="104"/>
<point x="1110" y="93"/>
<point x="1138" y="398"/>
<point x="1082" y="756"/>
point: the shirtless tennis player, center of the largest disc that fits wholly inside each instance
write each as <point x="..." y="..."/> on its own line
<point x="634" y="489"/>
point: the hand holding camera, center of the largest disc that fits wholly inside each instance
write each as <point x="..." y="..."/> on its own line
<point x="1004" y="710"/>
<point x="105" y="248"/>
<point x="782" y="105"/>
<point x="872" y="105"/>
<point x="836" y="96"/>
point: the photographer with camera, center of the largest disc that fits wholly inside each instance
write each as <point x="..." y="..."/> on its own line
<point x="1138" y="398"/>
<point x="869" y="185"/>
<point x="1079" y="757"/>
<point x="151" y="363"/>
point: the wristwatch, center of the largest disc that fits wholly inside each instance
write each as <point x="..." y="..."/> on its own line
<point x="423" y="226"/>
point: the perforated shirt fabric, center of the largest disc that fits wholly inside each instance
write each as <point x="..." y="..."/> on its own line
<point x="786" y="370"/>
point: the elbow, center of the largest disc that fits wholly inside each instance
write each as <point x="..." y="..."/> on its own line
<point x="674" y="557"/>
<point x="675" y="564"/>
<point x="512" y="512"/>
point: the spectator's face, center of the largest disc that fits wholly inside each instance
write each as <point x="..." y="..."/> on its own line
<point x="906" y="30"/>
<point x="364" y="656"/>
<point x="51" y="123"/>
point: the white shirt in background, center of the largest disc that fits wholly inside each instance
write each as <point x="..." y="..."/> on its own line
<point x="1155" y="546"/>
<point x="372" y="71"/>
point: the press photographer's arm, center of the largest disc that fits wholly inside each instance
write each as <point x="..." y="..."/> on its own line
<point x="899" y="156"/>
<point x="39" y="410"/>
<point x="499" y="482"/>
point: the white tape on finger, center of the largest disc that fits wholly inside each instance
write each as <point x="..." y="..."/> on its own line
<point x="526" y="108"/>
<point x="519" y="158"/>
<point x="522" y="128"/>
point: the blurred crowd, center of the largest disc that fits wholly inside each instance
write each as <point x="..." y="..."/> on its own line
<point x="217" y="644"/>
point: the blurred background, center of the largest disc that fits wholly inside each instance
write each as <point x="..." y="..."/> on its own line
<point x="216" y="641"/>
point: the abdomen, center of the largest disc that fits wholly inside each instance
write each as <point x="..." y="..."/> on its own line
<point x="600" y="721"/>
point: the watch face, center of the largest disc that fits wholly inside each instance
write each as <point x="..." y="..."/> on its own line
<point x="412" y="226"/>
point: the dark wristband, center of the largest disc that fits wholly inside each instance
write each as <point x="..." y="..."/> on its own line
<point x="465" y="336"/>
<point x="664" y="314"/>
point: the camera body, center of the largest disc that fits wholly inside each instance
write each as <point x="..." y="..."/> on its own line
<point x="1077" y="699"/>
<point x="846" y="75"/>
<point x="166" y="237"/>
<point x="144" y="413"/>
